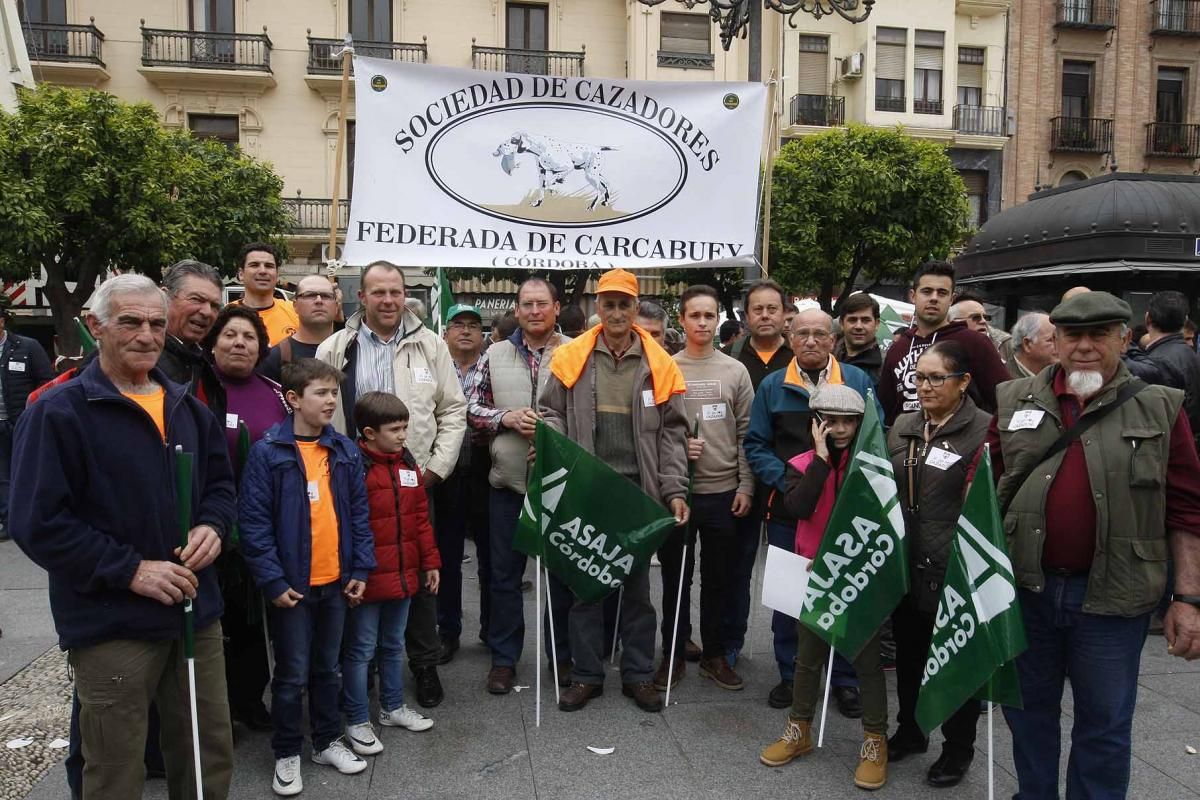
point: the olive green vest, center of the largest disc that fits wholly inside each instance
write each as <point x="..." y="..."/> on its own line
<point x="1126" y="454"/>
<point x="512" y="387"/>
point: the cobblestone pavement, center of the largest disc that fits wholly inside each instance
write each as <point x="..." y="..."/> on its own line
<point x="34" y="704"/>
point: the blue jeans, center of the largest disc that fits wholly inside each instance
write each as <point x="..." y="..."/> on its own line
<point x="307" y="641"/>
<point x="461" y="506"/>
<point x="737" y="612"/>
<point x="1101" y="654"/>
<point x="506" y="628"/>
<point x="369" y="625"/>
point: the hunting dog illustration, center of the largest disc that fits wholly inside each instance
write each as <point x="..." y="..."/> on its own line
<point x="556" y="160"/>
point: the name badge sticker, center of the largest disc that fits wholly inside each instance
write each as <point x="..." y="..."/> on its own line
<point x="314" y="494"/>
<point x="713" y="411"/>
<point x="942" y="459"/>
<point x="408" y="477"/>
<point x="1027" y="419"/>
<point x="648" y="397"/>
<point x="231" y="421"/>
<point x="422" y="375"/>
<point x="16" y="366"/>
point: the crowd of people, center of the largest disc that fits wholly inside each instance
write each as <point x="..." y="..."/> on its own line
<point x="341" y="464"/>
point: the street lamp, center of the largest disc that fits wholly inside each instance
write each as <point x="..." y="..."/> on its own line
<point x="733" y="16"/>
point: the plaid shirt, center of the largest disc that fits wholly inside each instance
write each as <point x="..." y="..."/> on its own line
<point x="481" y="411"/>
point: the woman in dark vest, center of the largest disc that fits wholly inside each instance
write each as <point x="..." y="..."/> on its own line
<point x="931" y="450"/>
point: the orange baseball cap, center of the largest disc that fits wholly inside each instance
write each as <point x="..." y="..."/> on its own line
<point x="618" y="280"/>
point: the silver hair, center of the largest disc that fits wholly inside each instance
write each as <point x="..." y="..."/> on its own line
<point x="122" y="286"/>
<point x="652" y="311"/>
<point x="1025" y="328"/>
<point x="415" y="305"/>
<point x="180" y="271"/>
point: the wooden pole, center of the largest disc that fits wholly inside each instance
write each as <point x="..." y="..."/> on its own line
<point x="769" y="173"/>
<point x="334" y="211"/>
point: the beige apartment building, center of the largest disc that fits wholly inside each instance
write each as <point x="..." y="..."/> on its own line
<point x="1102" y="85"/>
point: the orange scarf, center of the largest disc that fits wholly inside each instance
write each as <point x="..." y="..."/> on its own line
<point x="568" y="362"/>
<point x="797" y="378"/>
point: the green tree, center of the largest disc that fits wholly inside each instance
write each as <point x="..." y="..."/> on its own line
<point x="861" y="205"/>
<point x="727" y="281"/>
<point x="89" y="183"/>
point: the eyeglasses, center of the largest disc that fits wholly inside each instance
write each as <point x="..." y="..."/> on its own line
<point x="328" y="297"/>
<point x="470" y="326"/>
<point x="936" y="381"/>
<point x="805" y="333"/>
<point x="979" y="317"/>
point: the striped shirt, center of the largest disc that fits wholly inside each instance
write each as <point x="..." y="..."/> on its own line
<point x="373" y="367"/>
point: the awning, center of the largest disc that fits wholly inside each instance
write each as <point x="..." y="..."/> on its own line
<point x="1089" y="268"/>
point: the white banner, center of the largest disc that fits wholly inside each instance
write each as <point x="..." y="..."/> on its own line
<point x="463" y="168"/>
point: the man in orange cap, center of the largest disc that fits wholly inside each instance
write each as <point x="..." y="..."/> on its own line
<point x="629" y="411"/>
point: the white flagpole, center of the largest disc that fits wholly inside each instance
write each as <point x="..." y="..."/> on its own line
<point x="825" y="702"/>
<point x="675" y="627"/>
<point x="537" y="714"/>
<point x="267" y="638"/>
<point x="755" y="592"/>
<point x="553" y="638"/>
<point x="617" y="624"/>
<point x="991" y="758"/>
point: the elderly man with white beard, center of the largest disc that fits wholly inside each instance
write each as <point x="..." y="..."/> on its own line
<point x="1098" y="480"/>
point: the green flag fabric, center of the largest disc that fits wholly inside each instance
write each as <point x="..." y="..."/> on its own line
<point x="592" y="526"/>
<point x="183" y="508"/>
<point x="86" y="342"/>
<point x="860" y="571"/>
<point x="441" y="298"/>
<point x="889" y="323"/>
<point x="978" y="631"/>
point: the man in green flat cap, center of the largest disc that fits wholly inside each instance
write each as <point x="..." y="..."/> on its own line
<point x="1099" y="481"/>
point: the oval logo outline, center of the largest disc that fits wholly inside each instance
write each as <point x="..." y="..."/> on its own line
<point x="431" y="149"/>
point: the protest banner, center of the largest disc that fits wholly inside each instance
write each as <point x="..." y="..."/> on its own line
<point x="461" y="168"/>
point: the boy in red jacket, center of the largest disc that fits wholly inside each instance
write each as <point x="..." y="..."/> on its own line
<point x="406" y="555"/>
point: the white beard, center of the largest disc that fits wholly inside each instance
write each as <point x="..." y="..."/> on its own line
<point x="1084" y="384"/>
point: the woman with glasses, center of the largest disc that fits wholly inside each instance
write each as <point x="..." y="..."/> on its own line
<point x="236" y="345"/>
<point x="931" y="450"/>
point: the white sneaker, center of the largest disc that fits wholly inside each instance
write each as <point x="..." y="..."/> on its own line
<point x="287" y="777"/>
<point x="338" y="756"/>
<point x="363" y="740"/>
<point x="405" y="717"/>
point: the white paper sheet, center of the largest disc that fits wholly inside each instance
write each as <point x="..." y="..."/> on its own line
<point x="784" y="581"/>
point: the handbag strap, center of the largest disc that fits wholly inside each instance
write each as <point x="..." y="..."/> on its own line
<point x="1071" y="434"/>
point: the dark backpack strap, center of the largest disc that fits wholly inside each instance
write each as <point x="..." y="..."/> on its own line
<point x="285" y="351"/>
<point x="1071" y="434"/>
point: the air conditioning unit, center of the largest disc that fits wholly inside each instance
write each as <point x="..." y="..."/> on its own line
<point x="325" y="253"/>
<point x="852" y="66"/>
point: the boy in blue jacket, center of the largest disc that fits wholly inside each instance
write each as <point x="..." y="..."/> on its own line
<point x="307" y="540"/>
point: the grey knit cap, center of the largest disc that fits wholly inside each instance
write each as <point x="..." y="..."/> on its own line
<point x="837" y="398"/>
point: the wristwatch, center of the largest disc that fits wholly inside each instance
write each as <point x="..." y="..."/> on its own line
<point x="1190" y="599"/>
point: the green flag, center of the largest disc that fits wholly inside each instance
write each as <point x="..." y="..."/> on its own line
<point x="889" y="323"/>
<point x="240" y="456"/>
<point x="597" y="527"/>
<point x="86" y="342"/>
<point x="183" y="508"/>
<point x="978" y="631"/>
<point x="440" y="300"/>
<point x="860" y="571"/>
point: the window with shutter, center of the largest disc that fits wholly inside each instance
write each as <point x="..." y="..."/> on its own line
<point x="975" y="182"/>
<point x="890" y="44"/>
<point x="927" y="72"/>
<point x="812" y="70"/>
<point x="1077" y="89"/>
<point x="970" y="76"/>
<point x="685" y="33"/>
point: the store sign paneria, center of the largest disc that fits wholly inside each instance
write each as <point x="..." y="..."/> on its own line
<point x="463" y="168"/>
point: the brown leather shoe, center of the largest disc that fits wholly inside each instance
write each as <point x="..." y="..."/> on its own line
<point x="644" y="694"/>
<point x="564" y="672"/>
<point x="577" y="695"/>
<point x="660" y="675"/>
<point x="717" y="670"/>
<point x="692" y="651"/>
<point x="500" y="680"/>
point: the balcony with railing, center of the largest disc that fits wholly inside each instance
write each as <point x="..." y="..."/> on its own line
<point x="980" y="120"/>
<point x="921" y="106"/>
<point x="898" y="104"/>
<point x="817" y="109"/>
<point x="323" y="58"/>
<point x="1172" y="140"/>
<point x="1081" y="134"/>
<point x="206" y="50"/>
<point x="556" y="63"/>
<point x="311" y="215"/>
<point x="1100" y="15"/>
<point x="1175" y="17"/>
<point x="66" y="53"/>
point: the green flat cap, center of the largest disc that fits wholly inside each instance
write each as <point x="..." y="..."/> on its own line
<point x="1091" y="308"/>
<point x="463" y="308"/>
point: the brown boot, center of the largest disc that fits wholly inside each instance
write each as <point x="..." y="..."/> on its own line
<point x="872" y="762"/>
<point x="717" y="670"/>
<point x="660" y="675"/>
<point x="795" y="742"/>
<point x="644" y="695"/>
<point x="500" y="680"/>
<point x="576" y="696"/>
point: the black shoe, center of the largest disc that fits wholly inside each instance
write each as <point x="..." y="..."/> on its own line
<point x="781" y="695"/>
<point x="849" y="701"/>
<point x="904" y="743"/>
<point x="429" y="688"/>
<point x="949" y="769"/>
<point x="449" y="648"/>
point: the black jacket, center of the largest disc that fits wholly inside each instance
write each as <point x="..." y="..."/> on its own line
<point x="187" y="364"/>
<point x="24" y="367"/>
<point x="869" y="361"/>
<point x="1180" y="368"/>
<point x="744" y="352"/>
